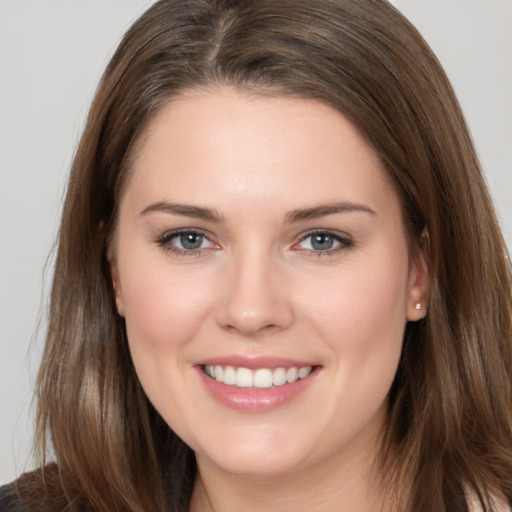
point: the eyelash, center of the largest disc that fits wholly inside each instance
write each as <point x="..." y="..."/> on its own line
<point x="165" y="242"/>
<point x="344" y="242"/>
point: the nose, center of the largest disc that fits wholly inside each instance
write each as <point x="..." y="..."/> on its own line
<point x="255" y="298"/>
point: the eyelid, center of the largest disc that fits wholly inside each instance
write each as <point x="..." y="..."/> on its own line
<point x="345" y="241"/>
<point x="165" y="239"/>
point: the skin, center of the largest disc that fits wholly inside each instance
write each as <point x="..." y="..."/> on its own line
<point x="258" y="287"/>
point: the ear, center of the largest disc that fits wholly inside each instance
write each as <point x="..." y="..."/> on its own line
<point x="418" y="281"/>
<point x="116" y="283"/>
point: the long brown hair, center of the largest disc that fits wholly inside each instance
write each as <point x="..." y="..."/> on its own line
<point x="449" y="422"/>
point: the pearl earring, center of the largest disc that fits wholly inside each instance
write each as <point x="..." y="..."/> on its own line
<point x="418" y="306"/>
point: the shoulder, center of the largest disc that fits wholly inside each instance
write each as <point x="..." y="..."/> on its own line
<point x="32" y="492"/>
<point x="39" y="490"/>
<point x="9" y="501"/>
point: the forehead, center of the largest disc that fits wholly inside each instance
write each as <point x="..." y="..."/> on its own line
<point x="228" y="145"/>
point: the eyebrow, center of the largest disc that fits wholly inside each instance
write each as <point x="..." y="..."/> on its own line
<point x="211" y="215"/>
<point x="327" y="209"/>
<point x="186" y="210"/>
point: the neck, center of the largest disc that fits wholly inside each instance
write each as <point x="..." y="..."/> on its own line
<point x="352" y="485"/>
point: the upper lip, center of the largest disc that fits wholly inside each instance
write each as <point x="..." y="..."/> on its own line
<point x="254" y="363"/>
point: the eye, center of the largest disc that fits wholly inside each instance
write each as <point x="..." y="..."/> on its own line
<point x="185" y="242"/>
<point x="189" y="241"/>
<point x="324" y="242"/>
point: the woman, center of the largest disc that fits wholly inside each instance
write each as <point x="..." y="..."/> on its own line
<point x="280" y="281"/>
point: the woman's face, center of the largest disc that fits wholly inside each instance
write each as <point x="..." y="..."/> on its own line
<point x="259" y="241"/>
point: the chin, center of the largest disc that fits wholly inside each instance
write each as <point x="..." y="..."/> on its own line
<point x="254" y="460"/>
<point x="260" y="467"/>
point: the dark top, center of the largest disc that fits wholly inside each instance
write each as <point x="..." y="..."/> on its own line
<point x="9" y="500"/>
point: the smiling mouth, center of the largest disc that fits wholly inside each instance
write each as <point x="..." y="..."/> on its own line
<point x="262" y="378"/>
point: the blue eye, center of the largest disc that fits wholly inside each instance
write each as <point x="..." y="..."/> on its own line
<point x="324" y="242"/>
<point x="190" y="241"/>
<point x="185" y="242"/>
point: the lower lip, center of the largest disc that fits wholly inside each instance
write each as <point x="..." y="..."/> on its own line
<point x="255" y="399"/>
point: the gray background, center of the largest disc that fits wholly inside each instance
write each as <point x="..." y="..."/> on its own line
<point x="51" y="55"/>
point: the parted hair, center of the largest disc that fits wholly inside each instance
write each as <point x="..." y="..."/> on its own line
<point x="101" y="444"/>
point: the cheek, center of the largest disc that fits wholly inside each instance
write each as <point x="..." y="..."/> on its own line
<point x="361" y="316"/>
<point x="362" y="301"/>
<point x="151" y="310"/>
<point x="162" y="306"/>
<point x="162" y="315"/>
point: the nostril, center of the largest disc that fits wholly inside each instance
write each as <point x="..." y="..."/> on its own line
<point x="253" y="306"/>
<point x="252" y="329"/>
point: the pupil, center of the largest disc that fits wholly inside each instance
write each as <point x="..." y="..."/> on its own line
<point x="322" y="242"/>
<point x="191" y="241"/>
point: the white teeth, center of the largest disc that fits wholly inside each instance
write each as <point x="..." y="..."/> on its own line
<point x="229" y="376"/>
<point x="279" y="377"/>
<point x="244" y="378"/>
<point x="261" y="378"/>
<point x="292" y="374"/>
<point x="304" y="372"/>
